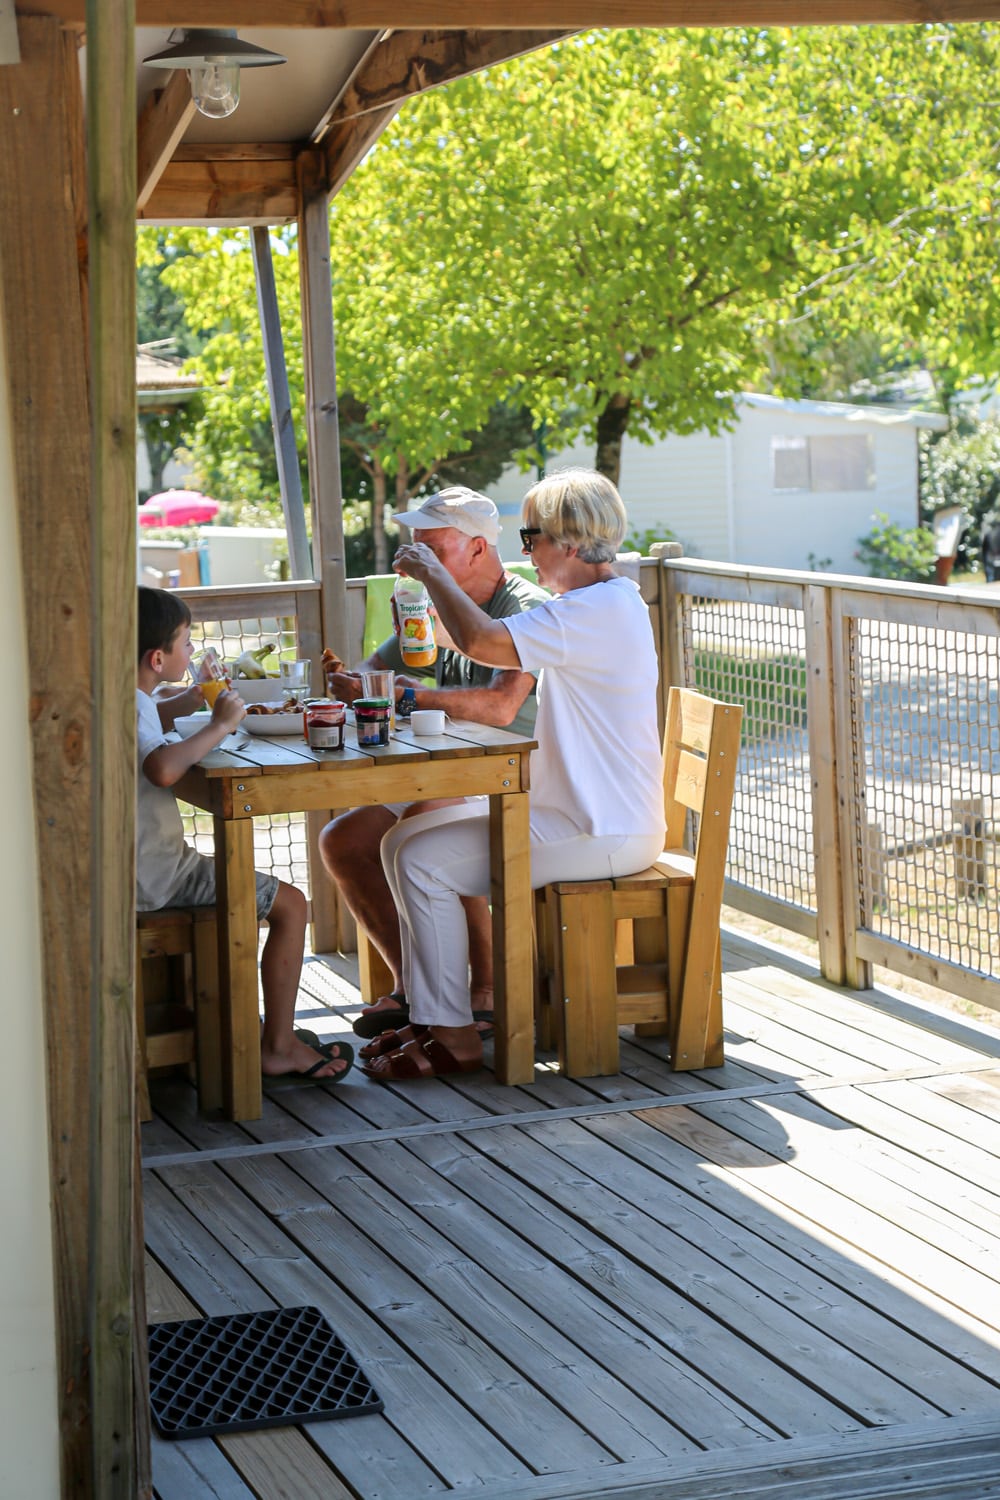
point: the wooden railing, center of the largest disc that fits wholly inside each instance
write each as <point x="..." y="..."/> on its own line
<point x="870" y="765"/>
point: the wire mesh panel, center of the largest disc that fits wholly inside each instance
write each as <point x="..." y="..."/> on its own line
<point x="925" y="726"/>
<point x="280" y="841"/>
<point x="754" y="654"/>
<point x="232" y="637"/>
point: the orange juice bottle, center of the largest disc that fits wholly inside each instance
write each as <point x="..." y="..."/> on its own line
<point x="413" y="623"/>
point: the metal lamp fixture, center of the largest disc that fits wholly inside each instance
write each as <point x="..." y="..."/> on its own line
<point x="213" y="60"/>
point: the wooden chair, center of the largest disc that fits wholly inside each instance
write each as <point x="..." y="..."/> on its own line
<point x="178" y="1011"/>
<point x="645" y="949"/>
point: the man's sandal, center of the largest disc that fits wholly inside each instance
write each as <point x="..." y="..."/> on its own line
<point x="373" y="1022"/>
<point x="423" y="1057"/>
<point x="391" y="1041"/>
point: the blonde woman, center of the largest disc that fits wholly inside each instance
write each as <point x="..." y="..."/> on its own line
<point x="596" y="779"/>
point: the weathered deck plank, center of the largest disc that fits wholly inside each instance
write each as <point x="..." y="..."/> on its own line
<point x="776" y="1277"/>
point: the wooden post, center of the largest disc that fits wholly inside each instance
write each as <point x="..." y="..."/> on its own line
<point x="282" y="425"/>
<point x="970" y="848"/>
<point x="41" y="120"/>
<point x="821" y="718"/>
<point x="115" y="1197"/>
<point x="323" y="431"/>
<point x="858" y="971"/>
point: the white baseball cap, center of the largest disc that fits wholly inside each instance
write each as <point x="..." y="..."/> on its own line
<point x="462" y="508"/>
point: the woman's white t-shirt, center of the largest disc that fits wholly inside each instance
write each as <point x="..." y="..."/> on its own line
<point x="599" y="759"/>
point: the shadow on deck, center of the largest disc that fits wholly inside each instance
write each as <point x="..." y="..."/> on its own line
<point x="780" y="1276"/>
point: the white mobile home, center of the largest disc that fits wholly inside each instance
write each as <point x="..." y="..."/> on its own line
<point x="793" y="484"/>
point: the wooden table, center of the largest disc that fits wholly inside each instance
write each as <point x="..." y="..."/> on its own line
<point x="283" y="775"/>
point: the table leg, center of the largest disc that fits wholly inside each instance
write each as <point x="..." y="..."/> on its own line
<point x="513" y="954"/>
<point x="236" y="909"/>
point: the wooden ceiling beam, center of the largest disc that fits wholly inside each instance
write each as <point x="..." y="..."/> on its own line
<point x="237" y="187"/>
<point x="164" y="119"/>
<point x="439" y="15"/>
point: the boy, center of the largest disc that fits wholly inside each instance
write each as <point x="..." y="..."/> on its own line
<point x="170" y="873"/>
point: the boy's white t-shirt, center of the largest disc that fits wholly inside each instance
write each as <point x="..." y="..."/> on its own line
<point x="599" y="759"/>
<point x="162" y="855"/>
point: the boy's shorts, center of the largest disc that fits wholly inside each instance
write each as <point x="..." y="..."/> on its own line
<point x="198" y="887"/>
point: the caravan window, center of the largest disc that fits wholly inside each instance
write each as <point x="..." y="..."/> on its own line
<point x="823" y="464"/>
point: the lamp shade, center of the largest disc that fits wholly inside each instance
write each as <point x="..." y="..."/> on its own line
<point x="222" y="47"/>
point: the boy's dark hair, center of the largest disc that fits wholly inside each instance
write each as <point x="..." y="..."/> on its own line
<point x="161" y="615"/>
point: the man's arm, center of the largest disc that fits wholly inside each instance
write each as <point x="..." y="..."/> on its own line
<point x="347" y="685"/>
<point x="497" y="702"/>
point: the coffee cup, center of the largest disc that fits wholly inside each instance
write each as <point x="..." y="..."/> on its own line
<point x="428" y="720"/>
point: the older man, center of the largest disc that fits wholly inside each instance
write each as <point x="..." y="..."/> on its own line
<point x="461" y="528"/>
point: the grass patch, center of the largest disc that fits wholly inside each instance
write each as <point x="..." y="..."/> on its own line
<point x="772" y="689"/>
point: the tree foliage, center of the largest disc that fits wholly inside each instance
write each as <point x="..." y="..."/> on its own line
<point x="617" y="234"/>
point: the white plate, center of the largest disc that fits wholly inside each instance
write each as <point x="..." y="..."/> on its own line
<point x="273" y="723"/>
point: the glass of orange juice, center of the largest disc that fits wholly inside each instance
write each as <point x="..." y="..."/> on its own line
<point x="210" y="690"/>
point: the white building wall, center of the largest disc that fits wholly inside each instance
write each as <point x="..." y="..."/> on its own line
<point x="716" y="494"/>
<point x="779" y="530"/>
<point x="678" y="484"/>
<point x="29" y="1435"/>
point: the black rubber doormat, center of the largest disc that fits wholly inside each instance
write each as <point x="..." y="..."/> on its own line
<point x="251" y="1370"/>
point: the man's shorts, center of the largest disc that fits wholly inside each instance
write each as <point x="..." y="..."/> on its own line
<point x="197" y="888"/>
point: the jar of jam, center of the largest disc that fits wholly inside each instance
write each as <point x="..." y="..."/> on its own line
<point x="323" y="723"/>
<point x="372" y="718"/>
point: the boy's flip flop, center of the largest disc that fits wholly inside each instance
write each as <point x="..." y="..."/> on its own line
<point x="331" y="1052"/>
<point x="390" y="1018"/>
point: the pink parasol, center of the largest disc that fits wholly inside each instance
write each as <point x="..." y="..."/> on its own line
<point x="177" y="508"/>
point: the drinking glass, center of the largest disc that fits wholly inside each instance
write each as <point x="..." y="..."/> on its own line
<point x="294" y="678"/>
<point x="381" y="685"/>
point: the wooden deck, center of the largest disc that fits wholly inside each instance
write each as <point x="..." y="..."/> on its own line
<point x="780" y="1277"/>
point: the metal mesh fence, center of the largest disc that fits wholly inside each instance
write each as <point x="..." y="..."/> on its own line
<point x="925" y="721"/>
<point x="279" y="841"/>
<point x="754" y="654"/>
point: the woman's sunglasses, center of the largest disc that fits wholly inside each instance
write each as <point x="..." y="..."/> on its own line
<point x="527" y="532"/>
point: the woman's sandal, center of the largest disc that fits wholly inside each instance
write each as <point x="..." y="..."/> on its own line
<point x="422" y="1057"/>
<point x="330" y="1052"/>
<point x="372" y="1022"/>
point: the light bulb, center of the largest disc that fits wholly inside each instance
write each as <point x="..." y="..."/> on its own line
<point x="215" y="87"/>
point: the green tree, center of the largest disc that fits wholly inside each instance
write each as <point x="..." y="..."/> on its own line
<point x="628" y="223"/>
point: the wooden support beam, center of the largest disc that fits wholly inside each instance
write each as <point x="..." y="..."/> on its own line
<point x="224" y="188"/>
<point x="164" y="119"/>
<point x="411" y="62"/>
<point x="326" y="500"/>
<point x="500" y="15"/>
<point x="282" y="425"/>
<point x="117" y="1315"/>
<point x="41" y="115"/>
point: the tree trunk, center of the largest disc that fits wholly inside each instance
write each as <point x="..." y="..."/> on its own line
<point x="611" y="426"/>
<point x="379" y="543"/>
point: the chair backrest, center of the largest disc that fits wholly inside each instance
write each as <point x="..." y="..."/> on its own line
<point x="701" y="742"/>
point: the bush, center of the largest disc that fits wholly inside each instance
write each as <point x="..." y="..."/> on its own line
<point x="962" y="468"/>
<point x="641" y="541"/>
<point x="889" y="551"/>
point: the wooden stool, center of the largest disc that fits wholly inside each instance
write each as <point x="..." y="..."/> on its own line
<point x="177" y="1004"/>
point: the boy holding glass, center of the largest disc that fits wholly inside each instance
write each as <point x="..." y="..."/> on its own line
<point x="170" y="873"/>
